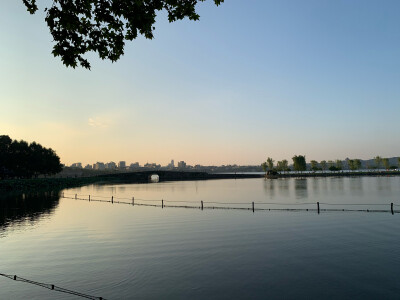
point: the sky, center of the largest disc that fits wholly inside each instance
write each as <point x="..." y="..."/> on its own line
<point x="252" y="79"/>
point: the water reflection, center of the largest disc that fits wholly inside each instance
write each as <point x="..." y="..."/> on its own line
<point x="20" y="208"/>
<point x="300" y="188"/>
<point x="129" y="252"/>
<point x="315" y="186"/>
<point x="356" y="186"/>
<point x="269" y="187"/>
<point x="337" y="184"/>
<point x="284" y="187"/>
<point x="382" y="184"/>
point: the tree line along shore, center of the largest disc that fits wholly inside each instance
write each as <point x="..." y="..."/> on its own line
<point x="300" y="165"/>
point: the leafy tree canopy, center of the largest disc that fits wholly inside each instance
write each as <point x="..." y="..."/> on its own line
<point x="264" y="166"/>
<point x="386" y="163"/>
<point x="103" y="26"/>
<point x="299" y="163"/>
<point x="314" y="165"/>
<point x="334" y="168"/>
<point x="270" y="163"/>
<point x="20" y="159"/>
<point x="339" y="164"/>
<point x="357" y="164"/>
<point x="282" y="165"/>
<point x="378" y="161"/>
<point x="351" y="164"/>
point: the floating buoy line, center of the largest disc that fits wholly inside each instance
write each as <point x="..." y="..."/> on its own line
<point x="253" y="206"/>
<point x="52" y="287"/>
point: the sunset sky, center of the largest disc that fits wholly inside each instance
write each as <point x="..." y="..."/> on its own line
<point x="251" y="79"/>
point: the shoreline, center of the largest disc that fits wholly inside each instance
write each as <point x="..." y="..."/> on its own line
<point x="53" y="184"/>
<point x="340" y="174"/>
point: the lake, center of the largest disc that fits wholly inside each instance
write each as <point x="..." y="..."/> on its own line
<point x="121" y="251"/>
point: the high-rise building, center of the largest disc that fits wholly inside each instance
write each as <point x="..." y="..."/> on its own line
<point x="122" y="165"/>
<point x="77" y="165"/>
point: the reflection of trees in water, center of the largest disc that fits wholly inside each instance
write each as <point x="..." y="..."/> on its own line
<point x="17" y="208"/>
<point x="356" y="185"/>
<point x="324" y="183"/>
<point x="269" y="187"/>
<point x="383" y="183"/>
<point x="337" y="184"/>
<point x="300" y="188"/>
<point x="283" y="187"/>
<point x="315" y="186"/>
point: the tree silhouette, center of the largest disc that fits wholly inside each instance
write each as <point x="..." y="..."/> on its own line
<point x="386" y="163"/>
<point x="282" y="165"/>
<point x="264" y="166"/>
<point x="103" y="26"/>
<point x="323" y="165"/>
<point x="270" y="163"/>
<point x="314" y="165"/>
<point x="23" y="160"/>
<point x="299" y="163"/>
<point x="351" y="164"/>
<point x="357" y="164"/>
<point x="378" y="161"/>
<point x="339" y="165"/>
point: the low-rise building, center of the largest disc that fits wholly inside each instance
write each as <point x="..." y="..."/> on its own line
<point x="99" y="166"/>
<point x="134" y="166"/>
<point x="77" y="165"/>
<point x="111" y="165"/>
<point x="181" y="165"/>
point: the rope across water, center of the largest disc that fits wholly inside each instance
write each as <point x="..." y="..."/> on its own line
<point x="296" y="206"/>
<point x="52" y="287"/>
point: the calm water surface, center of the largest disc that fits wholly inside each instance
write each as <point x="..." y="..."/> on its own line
<point x="122" y="252"/>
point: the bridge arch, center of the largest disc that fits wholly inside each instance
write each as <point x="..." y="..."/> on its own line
<point x="153" y="178"/>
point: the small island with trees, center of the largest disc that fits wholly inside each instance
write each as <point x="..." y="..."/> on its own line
<point x="348" y="167"/>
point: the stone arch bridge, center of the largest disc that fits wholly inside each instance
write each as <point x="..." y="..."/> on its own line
<point x="144" y="176"/>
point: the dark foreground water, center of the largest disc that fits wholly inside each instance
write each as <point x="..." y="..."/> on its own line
<point x="122" y="252"/>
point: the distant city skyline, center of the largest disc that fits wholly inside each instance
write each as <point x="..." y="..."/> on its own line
<point x="247" y="81"/>
<point x="123" y="165"/>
